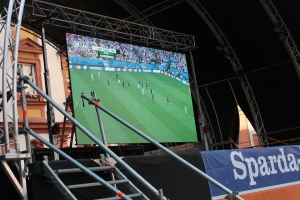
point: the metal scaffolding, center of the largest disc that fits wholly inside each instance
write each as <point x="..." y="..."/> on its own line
<point x="56" y="15"/>
<point x="103" y="26"/>
<point x="283" y="33"/>
<point x="231" y="56"/>
<point x="11" y="32"/>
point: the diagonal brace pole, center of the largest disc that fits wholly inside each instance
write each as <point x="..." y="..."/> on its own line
<point x="92" y="137"/>
<point x="13" y="179"/>
<point x="198" y="171"/>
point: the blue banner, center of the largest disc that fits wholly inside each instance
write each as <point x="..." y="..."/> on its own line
<point x="252" y="169"/>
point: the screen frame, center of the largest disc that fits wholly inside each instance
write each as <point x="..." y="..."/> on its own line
<point x="141" y="44"/>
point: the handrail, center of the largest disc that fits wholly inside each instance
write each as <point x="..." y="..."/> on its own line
<point x="92" y="137"/>
<point x="213" y="181"/>
<point x="80" y="166"/>
<point x="127" y="167"/>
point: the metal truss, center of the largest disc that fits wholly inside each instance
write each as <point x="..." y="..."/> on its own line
<point x="231" y="56"/>
<point x="9" y="95"/>
<point x="9" y="71"/>
<point x="204" y="121"/>
<point x="207" y="136"/>
<point x="283" y="32"/>
<point x="94" y="24"/>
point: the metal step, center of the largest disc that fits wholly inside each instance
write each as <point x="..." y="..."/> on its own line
<point x="57" y="182"/>
<point x="66" y="190"/>
<point x="129" y="195"/>
<point x="95" y="184"/>
<point x="75" y="170"/>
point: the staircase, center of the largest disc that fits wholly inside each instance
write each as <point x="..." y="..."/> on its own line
<point x="74" y="184"/>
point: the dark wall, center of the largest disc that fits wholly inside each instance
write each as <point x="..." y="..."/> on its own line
<point x="177" y="181"/>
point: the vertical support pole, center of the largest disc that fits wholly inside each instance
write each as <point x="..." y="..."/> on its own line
<point x="216" y="114"/>
<point x="9" y="92"/>
<point x="22" y="178"/>
<point x="64" y="126"/>
<point x="14" y="77"/>
<point x="4" y="74"/>
<point x="48" y="91"/>
<point x="25" y="114"/>
<point x="94" y="97"/>
<point x="199" y="110"/>
<point x="205" y="142"/>
<point x="103" y="136"/>
<point x="72" y="136"/>
<point x="161" y="195"/>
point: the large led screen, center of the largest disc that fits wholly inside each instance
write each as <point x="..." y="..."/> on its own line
<point x="146" y="87"/>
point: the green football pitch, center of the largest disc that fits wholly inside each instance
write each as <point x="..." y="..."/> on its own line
<point x="162" y="117"/>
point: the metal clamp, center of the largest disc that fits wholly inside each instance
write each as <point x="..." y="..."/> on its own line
<point x="232" y="196"/>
